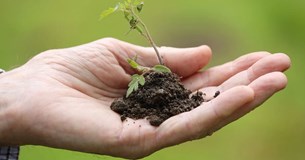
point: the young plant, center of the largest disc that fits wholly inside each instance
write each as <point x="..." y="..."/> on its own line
<point x="130" y="8"/>
<point x="136" y="79"/>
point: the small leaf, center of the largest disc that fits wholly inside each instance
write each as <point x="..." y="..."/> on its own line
<point x="134" y="83"/>
<point x="135" y="76"/>
<point x="133" y="23"/>
<point x="133" y="63"/>
<point x="142" y="80"/>
<point x="139" y="30"/>
<point x="129" y="91"/>
<point x="127" y="18"/>
<point x="140" y="7"/>
<point x="136" y="86"/>
<point x="161" y="68"/>
<point x="108" y="12"/>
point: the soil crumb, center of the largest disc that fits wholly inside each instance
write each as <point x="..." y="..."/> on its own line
<point x="161" y="97"/>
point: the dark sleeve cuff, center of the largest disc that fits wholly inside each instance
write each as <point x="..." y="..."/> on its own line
<point x="9" y="153"/>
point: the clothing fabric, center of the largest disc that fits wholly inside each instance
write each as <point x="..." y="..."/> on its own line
<point x="9" y="153"/>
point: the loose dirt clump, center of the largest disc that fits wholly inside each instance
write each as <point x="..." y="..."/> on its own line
<point x="162" y="97"/>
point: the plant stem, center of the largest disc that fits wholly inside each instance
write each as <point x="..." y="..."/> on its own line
<point x="148" y="36"/>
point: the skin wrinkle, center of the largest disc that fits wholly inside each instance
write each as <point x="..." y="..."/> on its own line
<point x="67" y="72"/>
<point x="195" y="133"/>
<point x="238" y="64"/>
<point x="206" y="76"/>
<point x="110" y="67"/>
<point x="172" y="122"/>
<point x="153" y="140"/>
<point x="120" y="136"/>
<point x="215" y="112"/>
<point x="233" y="67"/>
<point x="124" y="141"/>
<point x="90" y="91"/>
<point x="98" y="53"/>
<point x="251" y="75"/>
<point x="107" y="89"/>
<point x="144" y="145"/>
<point x="258" y="69"/>
<point x="141" y="140"/>
<point x="77" y="128"/>
<point x="65" y="131"/>
<point x="85" y="70"/>
<point x="252" y="58"/>
<point x="120" y="55"/>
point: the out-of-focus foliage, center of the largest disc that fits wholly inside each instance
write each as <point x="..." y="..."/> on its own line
<point x="276" y="130"/>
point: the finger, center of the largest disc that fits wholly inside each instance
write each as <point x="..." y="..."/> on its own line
<point x="264" y="87"/>
<point x="272" y="63"/>
<point x="217" y="75"/>
<point x="182" y="61"/>
<point x="188" y="61"/>
<point x="199" y="122"/>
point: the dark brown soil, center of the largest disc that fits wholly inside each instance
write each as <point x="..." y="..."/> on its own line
<point x="162" y="97"/>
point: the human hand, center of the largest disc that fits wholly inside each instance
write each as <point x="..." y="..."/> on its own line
<point x="61" y="98"/>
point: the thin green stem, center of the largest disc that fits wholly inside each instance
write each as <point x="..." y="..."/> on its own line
<point x="148" y="36"/>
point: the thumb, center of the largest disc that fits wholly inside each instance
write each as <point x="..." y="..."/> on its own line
<point x="182" y="61"/>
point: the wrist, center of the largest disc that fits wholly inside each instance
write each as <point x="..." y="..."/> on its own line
<point x="8" y="115"/>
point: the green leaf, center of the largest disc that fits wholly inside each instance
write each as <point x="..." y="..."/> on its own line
<point x="129" y="91"/>
<point x="136" y="66"/>
<point x="134" y="83"/>
<point x="161" y="68"/>
<point x="139" y="30"/>
<point x="141" y="80"/>
<point x="133" y="63"/>
<point x="108" y="12"/>
<point x="133" y="23"/>
<point x="135" y="86"/>
<point x="135" y="76"/>
<point x="140" y="7"/>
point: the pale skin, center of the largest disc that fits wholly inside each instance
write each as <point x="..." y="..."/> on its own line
<point x="61" y="98"/>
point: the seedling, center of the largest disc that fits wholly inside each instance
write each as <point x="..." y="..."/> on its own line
<point x="164" y="95"/>
<point x="139" y="79"/>
<point x="129" y="9"/>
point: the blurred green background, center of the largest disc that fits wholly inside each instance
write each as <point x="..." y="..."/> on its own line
<point x="275" y="131"/>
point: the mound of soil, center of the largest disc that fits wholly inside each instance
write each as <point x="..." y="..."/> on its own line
<point x="161" y="97"/>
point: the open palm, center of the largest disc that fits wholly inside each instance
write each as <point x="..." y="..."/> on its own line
<point x="66" y="96"/>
